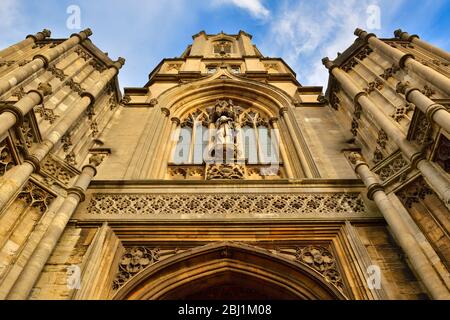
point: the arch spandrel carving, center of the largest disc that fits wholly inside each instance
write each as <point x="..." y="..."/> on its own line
<point x="194" y="272"/>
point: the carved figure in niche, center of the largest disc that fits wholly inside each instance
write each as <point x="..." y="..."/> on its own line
<point x="224" y="133"/>
<point x="223" y="114"/>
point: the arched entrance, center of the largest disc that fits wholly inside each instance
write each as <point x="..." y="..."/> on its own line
<point x="228" y="271"/>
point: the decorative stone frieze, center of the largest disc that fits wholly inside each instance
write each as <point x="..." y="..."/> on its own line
<point x="414" y="192"/>
<point x="57" y="170"/>
<point x="392" y="168"/>
<point x="330" y="204"/>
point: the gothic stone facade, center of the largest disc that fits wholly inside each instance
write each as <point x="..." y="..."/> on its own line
<point x="223" y="176"/>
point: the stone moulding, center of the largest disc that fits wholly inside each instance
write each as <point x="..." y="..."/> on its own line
<point x="319" y="258"/>
<point x="135" y="205"/>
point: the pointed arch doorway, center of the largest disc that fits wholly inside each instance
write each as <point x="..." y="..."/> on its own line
<point x="228" y="271"/>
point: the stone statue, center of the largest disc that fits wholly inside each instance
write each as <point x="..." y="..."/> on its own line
<point x="224" y="133"/>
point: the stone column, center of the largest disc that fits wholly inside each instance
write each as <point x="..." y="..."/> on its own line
<point x="30" y="39"/>
<point x="170" y="145"/>
<point x="15" y="178"/>
<point x="399" y="34"/>
<point x="15" y="113"/>
<point x="32" y="270"/>
<point x="434" y="111"/>
<point x="438" y="181"/>
<point x="406" y="60"/>
<point x="298" y="148"/>
<point x="40" y="61"/>
<point x="284" y="156"/>
<point x="419" y="262"/>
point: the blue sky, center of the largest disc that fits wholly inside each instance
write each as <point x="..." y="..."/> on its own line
<point x="300" y="31"/>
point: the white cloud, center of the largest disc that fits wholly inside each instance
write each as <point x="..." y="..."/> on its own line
<point x="254" y="7"/>
<point x="303" y="32"/>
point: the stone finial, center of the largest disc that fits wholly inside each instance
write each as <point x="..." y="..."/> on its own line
<point x="360" y="33"/>
<point x="355" y="157"/>
<point x="45" y="88"/>
<point x="119" y="63"/>
<point x="87" y="32"/>
<point x="46" y="33"/>
<point x="96" y="159"/>
<point x="403" y="35"/>
<point x="398" y="33"/>
<point x="328" y="63"/>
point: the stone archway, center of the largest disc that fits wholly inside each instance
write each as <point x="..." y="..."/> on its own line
<point x="228" y="271"/>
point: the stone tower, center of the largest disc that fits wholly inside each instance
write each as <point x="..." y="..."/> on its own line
<point x="223" y="176"/>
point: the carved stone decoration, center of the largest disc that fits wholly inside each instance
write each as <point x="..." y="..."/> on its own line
<point x="7" y="63"/>
<point x="6" y="158"/>
<point x="90" y="112"/>
<point x="271" y="66"/>
<point x="56" y="170"/>
<point x="97" y="65"/>
<point x="349" y="65"/>
<point x="19" y="93"/>
<point x="153" y="102"/>
<point x="382" y="139"/>
<point x="71" y="158"/>
<point x="401" y="111"/>
<point x="377" y="155"/>
<point x="39" y="45"/>
<point x="134" y="260"/>
<point x="442" y="154"/>
<point x="321" y="260"/>
<point x="229" y="171"/>
<point x="94" y="128"/>
<point x="45" y="113"/>
<point x="429" y="92"/>
<point x="355" y="157"/>
<point x="174" y="66"/>
<point x="21" y="63"/>
<point x="421" y="130"/>
<point x="355" y="126"/>
<point x="330" y="204"/>
<point x="125" y="99"/>
<point x="392" y="168"/>
<point x="58" y="73"/>
<point x="27" y="132"/>
<point x="82" y="53"/>
<point x="112" y="102"/>
<point x="414" y="192"/>
<point x="358" y="111"/>
<point x="75" y="86"/>
<point x="36" y="197"/>
<point x="335" y="101"/>
<point x="390" y="72"/>
<point x="364" y="53"/>
<point x="377" y="84"/>
<point x="66" y="140"/>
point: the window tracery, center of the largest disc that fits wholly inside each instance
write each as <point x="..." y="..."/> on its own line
<point x="229" y="141"/>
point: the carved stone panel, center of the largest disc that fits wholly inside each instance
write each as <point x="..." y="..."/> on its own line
<point x="329" y="204"/>
<point x="36" y="197"/>
<point x="6" y="157"/>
